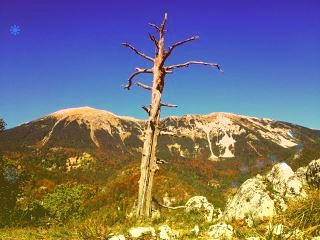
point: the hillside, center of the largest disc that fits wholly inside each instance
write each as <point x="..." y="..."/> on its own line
<point x="213" y="137"/>
<point x="92" y="158"/>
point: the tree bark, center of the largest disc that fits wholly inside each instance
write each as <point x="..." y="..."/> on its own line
<point x="148" y="162"/>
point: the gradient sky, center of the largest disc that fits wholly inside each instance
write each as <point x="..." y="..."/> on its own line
<point x="68" y="54"/>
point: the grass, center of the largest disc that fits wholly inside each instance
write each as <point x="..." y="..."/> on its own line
<point x="52" y="233"/>
<point x="304" y="213"/>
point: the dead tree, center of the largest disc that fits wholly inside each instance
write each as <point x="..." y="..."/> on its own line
<point x="159" y="71"/>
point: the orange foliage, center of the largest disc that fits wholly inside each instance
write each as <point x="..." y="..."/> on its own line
<point x="47" y="183"/>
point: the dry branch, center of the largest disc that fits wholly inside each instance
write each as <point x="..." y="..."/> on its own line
<point x="161" y="161"/>
<point x="138" y="71"/>
<point x="139" y="84"/>
<point x="154" y="40"/>
<point x="138" y="52"/>
<point x="163" y="23"/>
<point x="167" y="105"/>
<point x="146" y="109"/>
<point x="155" y="26"/>
<point x="162" y="205"/>
<point x="180" y="43"/>
<point x="187" y="64"/>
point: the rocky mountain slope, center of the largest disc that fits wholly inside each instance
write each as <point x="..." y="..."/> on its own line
<point x="95" y="151"/>
<point x="214" y="137"/>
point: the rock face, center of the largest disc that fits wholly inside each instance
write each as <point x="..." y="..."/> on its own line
<point x="262" y="197"/>
<point x="137" y="232"/>
<point x="214" y="137"/>
<point x="201" y="204"/>
<point x="250" y="202"/>
<point x="276" y="230"/>
<point x="220" y="231"/>
<point x="313" y="173"/>
<point x="195" y="231"/>
<point x="301" y="175"/>
<point x="284" y="181"/>
<point x="165" y="233"/>
<point x="117" y="237"/>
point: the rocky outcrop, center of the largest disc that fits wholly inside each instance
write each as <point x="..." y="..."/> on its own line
<point x="201" y="204"/>
<point x="276" y="230"/>
<point x="117" y="237"/>
<point x="195" y="231"/>
<point x="166" y="233"/>
<point x="251" y="202"/>
<point x="313" y="173"/>
<point x="220" y="231"/>
<point x="284" y="181"/>
<point x="137" y="232"/>
<point x="262" y="197"/>
<point x="301" y="175"/>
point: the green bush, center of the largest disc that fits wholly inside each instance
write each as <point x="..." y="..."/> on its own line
<point x="11" y="183"/>
<point x="33" y="214"/>
<point x="66" y="202"/>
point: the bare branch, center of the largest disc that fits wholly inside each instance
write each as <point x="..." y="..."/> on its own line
<point x="163" y="22"/>
<point x="154" y="40"/>
<point x="187" y="64"/>
<point x="146" y="109"/>
<point x="167" y="133"/>
<point x="138" y="71"/>
<point x="139" y="84"/>
<point x="138" y="52"/>
<point x="161" y="161"/>
<point x="165" y="206"/>
<point x="180" y="43"/>
<point x="155" y="26"/>
<point x="167" y="105"/>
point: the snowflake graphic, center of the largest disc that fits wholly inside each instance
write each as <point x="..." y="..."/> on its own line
<point x="15" y="30"/>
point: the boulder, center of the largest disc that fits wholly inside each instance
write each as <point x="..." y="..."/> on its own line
<point x="167" y="200"/>
<point x="201" y="204"/>
<point x="195" y="231"/>
<point x="301" y="175"/>
<point x="137" y="232"/>
<point x="165" y="233"/>
<point x="295" y="234"/>
<point x="117" y="237"/>
<point x="276" y="230"/>
<point x="284" y="181"/>
<point x="220" y="231"/>
<point x="250" y="202"/>
<point x="313" y="173"/>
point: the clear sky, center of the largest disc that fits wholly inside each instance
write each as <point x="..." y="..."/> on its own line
<point x="68" y="54"/>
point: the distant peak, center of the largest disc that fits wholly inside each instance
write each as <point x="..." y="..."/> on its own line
<point x="87" y="111"/>
<point x="78" y="110"/>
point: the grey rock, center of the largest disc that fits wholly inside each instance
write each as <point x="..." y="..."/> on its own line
<point x="250" y="202"/>
<point x="313" y="173"/>
<point x="284" y="181"/>
<point x="166" y="233"/>
<point x="200" y="203"/>
<point x="137" y="232"/>
<point x="220" y="231"/>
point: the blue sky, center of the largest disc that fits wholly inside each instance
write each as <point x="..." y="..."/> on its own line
<point x="69" y="54"/>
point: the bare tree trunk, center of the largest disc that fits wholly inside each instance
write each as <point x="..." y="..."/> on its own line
<point x="148" y="163"/>
<point x="149" y="160"/>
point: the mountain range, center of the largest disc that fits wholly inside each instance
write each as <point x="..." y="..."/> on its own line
<point x="216" y="137"/>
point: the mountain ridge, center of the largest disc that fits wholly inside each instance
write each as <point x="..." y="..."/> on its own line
<point x="214" y="136"/>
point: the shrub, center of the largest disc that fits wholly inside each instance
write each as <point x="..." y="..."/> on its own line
<point x="11" y="182"/>
<point x="66" y="202"/>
